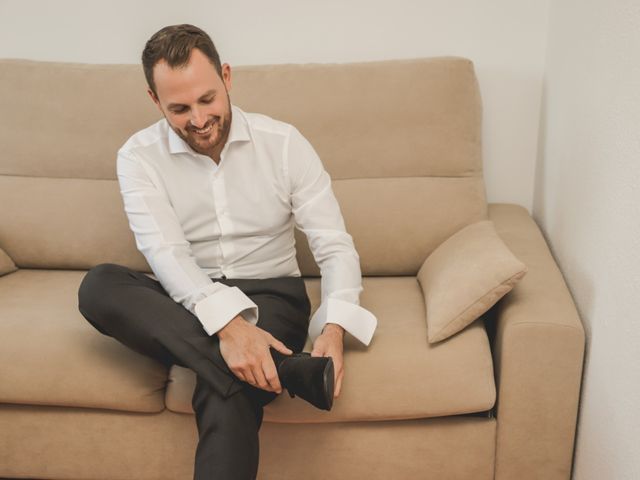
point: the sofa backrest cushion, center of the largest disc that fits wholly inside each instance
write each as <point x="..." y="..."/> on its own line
<point x="401" y="140"/>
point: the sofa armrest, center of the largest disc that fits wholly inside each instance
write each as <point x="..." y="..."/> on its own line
<point x="538" y="347"/>
<point x="6" y="263"/>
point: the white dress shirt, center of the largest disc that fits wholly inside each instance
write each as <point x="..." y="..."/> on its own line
<point x="194" y="220"/>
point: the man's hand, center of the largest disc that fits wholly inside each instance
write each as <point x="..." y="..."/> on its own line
<point x="245" y="349"/>
<point x="330" y="344"/>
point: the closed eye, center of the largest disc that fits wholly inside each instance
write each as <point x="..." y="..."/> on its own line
<point x="184" y="108"/>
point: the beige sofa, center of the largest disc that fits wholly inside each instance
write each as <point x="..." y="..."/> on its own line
<point x="402" y="142"/>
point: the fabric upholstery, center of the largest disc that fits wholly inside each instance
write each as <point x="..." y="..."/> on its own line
<point x="50" y="355"/>
<point x="66" y="223"/>
<point x="464" y="277"/>
<point x="452" y="378"/>
<point x="90" y="443"/>
<point x="425" y="114"/>
<point x="538" y="353"/>
<point x="94" y="110"/>
<point x="406" y="165"/>
<point x="69" y="363"/>
<point x="6" y="263"/>
<point x="95" y="230"/>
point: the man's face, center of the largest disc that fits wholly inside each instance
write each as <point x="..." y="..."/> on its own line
<point x="195" y="102"/>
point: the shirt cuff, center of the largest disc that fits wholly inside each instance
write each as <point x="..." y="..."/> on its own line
<point x="218" y="309"/>
<point x="359" y="322"/>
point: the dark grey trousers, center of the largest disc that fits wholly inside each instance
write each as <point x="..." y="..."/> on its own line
<point x="135" y="310"/>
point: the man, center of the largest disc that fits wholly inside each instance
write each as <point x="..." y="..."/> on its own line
<point x="212" y="194"/>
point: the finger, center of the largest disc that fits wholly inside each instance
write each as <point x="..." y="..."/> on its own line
<point x="318" y="350"/>
<point x="281" y="347"/>
<point x="271" y="374"/>
<point x="240" y="375"/>
<point x="248" y="375"/>
<point x="338" y="388"/>
<point x="338" y="372"/>
<point x="338" y="362"/>
<point x="258" y="374"/>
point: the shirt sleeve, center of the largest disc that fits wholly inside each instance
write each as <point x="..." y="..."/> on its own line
<point x="160" y="238"/>
<point x="317" y="214"/>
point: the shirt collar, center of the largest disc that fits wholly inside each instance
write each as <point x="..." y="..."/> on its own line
<point x="239" y="132"/>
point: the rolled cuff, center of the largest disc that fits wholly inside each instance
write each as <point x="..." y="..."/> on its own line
<point x="216" y="310"/>
<point x="359" y="322"/>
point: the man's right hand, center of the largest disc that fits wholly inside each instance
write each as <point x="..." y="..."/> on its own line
<point x="245" y="349"/>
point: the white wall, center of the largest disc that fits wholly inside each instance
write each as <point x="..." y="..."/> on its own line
<point x="505" y="38"/>
<point x="587" y="201"/>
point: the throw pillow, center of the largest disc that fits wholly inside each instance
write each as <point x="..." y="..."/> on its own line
<point x="464" y="277"/>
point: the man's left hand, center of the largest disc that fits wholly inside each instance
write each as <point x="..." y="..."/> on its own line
<point x="330" y="344"/>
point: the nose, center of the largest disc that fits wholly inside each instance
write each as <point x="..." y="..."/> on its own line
<point x="198" y="118"/>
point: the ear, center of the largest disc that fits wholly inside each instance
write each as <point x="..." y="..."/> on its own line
<point x="226" y="76"/>
<point x="155" y="99"/>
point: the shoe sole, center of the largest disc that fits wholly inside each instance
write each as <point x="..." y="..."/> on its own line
<point x="328" y="380"/>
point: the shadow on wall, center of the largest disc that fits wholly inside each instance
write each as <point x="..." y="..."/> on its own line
<point x="538" y="211"/>
<point x="585" y="311"/>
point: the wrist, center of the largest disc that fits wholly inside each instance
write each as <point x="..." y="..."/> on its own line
<point x="230" y="327"/>
<point x="333" y="328"/>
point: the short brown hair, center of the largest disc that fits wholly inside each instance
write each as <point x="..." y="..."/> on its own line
<point x="174" y="44"/>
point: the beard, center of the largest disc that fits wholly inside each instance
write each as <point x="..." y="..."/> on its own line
<point x="214" y="140"/>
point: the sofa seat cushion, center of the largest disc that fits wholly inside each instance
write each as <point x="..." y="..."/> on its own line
<point x="6" y="263"/>
<point x="51" y="355"/>
<point x="399" y="376"/>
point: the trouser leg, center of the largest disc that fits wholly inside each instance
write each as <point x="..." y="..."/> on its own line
<point x="228" y="446"/>
<point x="138" y="312"/>
<point x="135" y="310"/>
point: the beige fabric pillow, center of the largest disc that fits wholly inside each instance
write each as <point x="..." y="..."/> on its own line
<point x="6" y="264"/>
<point x="464" y="277"/>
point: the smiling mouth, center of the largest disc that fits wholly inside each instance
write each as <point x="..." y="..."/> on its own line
<point x="204" y="131"/>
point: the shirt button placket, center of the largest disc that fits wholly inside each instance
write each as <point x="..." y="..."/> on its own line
<point x="220" y="198"/>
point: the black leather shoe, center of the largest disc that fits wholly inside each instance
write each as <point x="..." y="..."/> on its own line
<point x="310" y="378"/>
